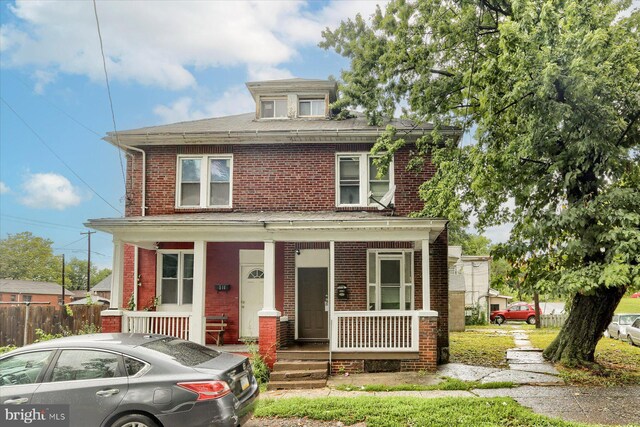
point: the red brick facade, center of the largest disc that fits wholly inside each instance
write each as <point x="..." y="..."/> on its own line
<point x="110" y="323"/>
<point x="281" y="177"/>
<point x="51" y="299"/>
<point x="269" y="339"/>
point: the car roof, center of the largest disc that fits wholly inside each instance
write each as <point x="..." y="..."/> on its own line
<point x="102" y="340"/>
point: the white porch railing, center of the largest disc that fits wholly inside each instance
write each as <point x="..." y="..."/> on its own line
<point x="175" y="324"/>
<point x="374" y="331"/>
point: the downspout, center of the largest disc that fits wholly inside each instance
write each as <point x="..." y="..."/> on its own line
<point x="142" y="213"/>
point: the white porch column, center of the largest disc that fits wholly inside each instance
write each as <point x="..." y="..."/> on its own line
<point x="118" y="272"/>
<point x="426" y="279"/>
<point x="196" y="321"/>
<point x="269" y="303"/>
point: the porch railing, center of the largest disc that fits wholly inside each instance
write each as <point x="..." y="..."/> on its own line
<point x="175" y="324"/>
<point x="374" y="331"/>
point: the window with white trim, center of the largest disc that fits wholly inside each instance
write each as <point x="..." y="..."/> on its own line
<point x="390" y="280"/>
<point x="311" y="108"/>
<point x="175" y="278"/>
<point x="204" y="181"/>
<point x="357" y="180"/>
<point x="273" y="108"/>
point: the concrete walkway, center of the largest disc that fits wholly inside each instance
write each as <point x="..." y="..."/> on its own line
<point x="540" y="388"/>
<point x="526" y="366"/>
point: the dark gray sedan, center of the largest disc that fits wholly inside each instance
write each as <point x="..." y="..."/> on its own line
<point x="129" y="380"/>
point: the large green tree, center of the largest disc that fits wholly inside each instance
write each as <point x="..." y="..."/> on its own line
<point x="24" y="256"/>
<point x="552" y="90"/>
<point x="76" y="274"/>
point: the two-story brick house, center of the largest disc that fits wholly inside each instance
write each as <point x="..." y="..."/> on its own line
<point x="269" y="219"/>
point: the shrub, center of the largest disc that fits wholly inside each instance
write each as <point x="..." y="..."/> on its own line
<point x="260" y="368"/>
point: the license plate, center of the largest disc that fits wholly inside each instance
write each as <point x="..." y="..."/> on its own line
<point x="244" y="382"/>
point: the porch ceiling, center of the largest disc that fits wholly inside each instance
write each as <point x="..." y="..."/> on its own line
<point x="276" y="226"/>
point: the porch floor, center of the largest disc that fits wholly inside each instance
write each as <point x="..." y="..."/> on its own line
<point x="230" y="348"/>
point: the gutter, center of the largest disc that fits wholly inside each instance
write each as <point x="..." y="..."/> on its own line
<point x="231" y="136"/>
<point x="142" y="213"/>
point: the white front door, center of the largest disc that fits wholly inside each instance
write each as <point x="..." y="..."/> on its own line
<point x="251" y="299"/>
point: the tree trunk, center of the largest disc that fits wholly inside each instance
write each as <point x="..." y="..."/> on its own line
<point x="590" y="315"/>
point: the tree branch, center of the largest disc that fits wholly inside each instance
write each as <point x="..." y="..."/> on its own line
<point x="511" y="104"/>
<point x="629" y="125"/>
<point x="506" y="10"/>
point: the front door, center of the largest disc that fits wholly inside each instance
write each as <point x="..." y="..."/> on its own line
<point x="312" y="301"/>
<point x="252" y="298"/>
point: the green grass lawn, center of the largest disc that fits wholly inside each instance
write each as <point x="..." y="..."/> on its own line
<point x="409" y="411"/>
<point x="620" y="361"/>
<point x="483" y="347"/>
<point x="629" y="305"/>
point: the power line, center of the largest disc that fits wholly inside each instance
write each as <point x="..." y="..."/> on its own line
<point x="75" y="241"/>
<point x="58" y="157"/>
<point x="78" y="122"/>
<point x="106" y="78"/>
<point x="38" y="222"/>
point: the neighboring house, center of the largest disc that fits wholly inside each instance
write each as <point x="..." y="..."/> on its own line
<point x="456" y="290"/>
<point x="472" y="275"/>
<point x="92" y="300"/>
<point x="21" y="291"/>
<point x="266" y="219"/>
<point x="103" y="288"/>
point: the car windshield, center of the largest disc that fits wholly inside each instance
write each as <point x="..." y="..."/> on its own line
<point x="186" y="353"/>
<point x="628" y="319"/>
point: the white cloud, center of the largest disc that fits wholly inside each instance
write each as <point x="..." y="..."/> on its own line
<point x="235" y="100"/>
<point x="4" y="188"/>
<point x="267" y="72"/>
<point x="42" y="78"/>
<point x="49" y="191"/>
<point x="159" y="43"/>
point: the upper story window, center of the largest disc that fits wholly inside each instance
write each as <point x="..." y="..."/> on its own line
<point x="204" y="181"/>
<point x="311" y="108"/>
<point x="273" y="108"/>
<point x="357" y="180"/>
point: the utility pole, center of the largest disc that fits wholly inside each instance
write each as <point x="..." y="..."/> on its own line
<point x="89" y="233"/>
<point x="62" y="279"/>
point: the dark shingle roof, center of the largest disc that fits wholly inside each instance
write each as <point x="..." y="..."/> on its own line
<point x="104" y="285"/>
<point x="29" y="287"/>
<point x="248" y="123"/>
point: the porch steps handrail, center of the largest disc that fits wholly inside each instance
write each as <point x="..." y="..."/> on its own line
<point x="175" y="324"/>
<point x="388" y="330"/>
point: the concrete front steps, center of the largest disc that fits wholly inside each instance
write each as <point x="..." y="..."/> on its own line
<point x="298" y="374"/>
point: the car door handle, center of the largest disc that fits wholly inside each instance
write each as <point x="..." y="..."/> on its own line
<point x="107" y="393"/>
<point x="17" y="401"/>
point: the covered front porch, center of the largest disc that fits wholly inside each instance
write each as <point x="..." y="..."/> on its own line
<point x="314" y="274"/>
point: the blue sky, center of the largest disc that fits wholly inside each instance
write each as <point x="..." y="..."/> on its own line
<point x="168" y="61"/>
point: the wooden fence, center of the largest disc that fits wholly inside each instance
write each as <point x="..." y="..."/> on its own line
<point x="552" y="320"/>
<point x="51" y="319"/>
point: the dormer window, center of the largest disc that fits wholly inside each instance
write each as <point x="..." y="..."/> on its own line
<point x="311" y="108"/>
<point x="273" y="108"/>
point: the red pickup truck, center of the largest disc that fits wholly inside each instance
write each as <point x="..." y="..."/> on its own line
<point x="515" y="311"/>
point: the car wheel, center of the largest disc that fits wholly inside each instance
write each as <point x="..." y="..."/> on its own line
<point x="531" y="320"/>
<point x="630" y="340"/>
<point x="134" y="420"/>
<point x="499" y="320"/>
